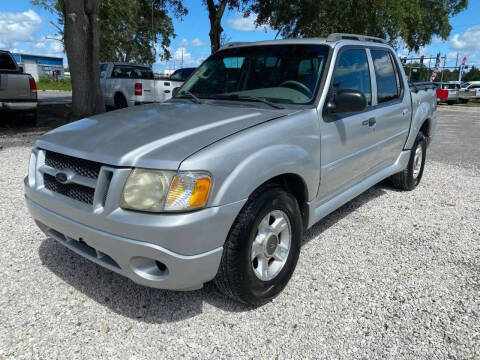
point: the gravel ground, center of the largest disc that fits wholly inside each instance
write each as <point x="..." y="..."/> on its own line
<point x="389" y="275"/>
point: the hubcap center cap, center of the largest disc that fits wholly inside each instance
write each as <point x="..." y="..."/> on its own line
<point x="271" y="244"/>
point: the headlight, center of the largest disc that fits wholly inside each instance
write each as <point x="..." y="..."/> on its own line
<point x="32" y="168"/>
<point x="158" y="190"/>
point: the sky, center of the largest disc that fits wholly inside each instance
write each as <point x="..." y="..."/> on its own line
<point x="27" y="28"/>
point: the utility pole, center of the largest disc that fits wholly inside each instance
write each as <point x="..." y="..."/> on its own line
<point x="444" y="63"/>
<point x="153" y="40"/>
<point x="429" y="74"/>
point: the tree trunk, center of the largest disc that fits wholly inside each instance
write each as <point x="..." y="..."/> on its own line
<point x="82" y="44"/>
<point x="215" y="14"/>
<point x="215" y="34"/>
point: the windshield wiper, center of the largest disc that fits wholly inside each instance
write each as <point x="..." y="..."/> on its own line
<point x="194" y="98"/>
<point x="248" y="98"/>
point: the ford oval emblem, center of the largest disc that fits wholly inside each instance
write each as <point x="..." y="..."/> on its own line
<point x="61" y="177"/>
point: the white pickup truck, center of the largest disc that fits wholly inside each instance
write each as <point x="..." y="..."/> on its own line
<point x="129" y="84"/>
<point x="18" y="91"/>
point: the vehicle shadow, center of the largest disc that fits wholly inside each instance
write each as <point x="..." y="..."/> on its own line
<point x="351" y="206"/>
<point x="128" y="299"/>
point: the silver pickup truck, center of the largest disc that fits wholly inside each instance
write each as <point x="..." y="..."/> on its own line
<point x="18" y="91"/>
<point x="220" y="182"/>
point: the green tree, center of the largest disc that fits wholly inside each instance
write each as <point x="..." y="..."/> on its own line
<point x="79" y="26"/>
<point x="216" y="9"/>
<point x="129" y="28"/>
<point x="109" y="30"/>
<point x="413" y="21"/>
<point x="472" y="75"/>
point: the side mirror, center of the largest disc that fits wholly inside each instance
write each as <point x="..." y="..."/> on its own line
<point x="347" y="100"/>
<point x="175" y="90"/>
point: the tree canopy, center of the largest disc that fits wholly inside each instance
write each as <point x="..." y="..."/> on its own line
<point x="413" y="21"/>
<point x="472" y="75"/>
<point x="129" y="28"/>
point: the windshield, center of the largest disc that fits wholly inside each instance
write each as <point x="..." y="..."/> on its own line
<point x="277" y="73"/>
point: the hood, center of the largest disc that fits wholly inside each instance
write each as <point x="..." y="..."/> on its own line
<point x="156" y="136"/>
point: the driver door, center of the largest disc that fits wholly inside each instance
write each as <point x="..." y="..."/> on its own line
<point x="347" y="150"/>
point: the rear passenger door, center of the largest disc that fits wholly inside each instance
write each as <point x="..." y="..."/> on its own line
<point x="392" y="111"/>
<point x="347" y="156"/>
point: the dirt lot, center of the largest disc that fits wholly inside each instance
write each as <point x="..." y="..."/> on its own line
<point x="389" y="275"/>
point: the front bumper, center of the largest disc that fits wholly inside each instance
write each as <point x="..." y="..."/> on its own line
<point x="143" y="258"/>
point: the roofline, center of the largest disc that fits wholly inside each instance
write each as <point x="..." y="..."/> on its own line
<point x="125" y="63"/>
<point x="42" y="56"/>
<point x="331" y="40"/>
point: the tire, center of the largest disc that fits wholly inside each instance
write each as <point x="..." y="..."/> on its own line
<point x="30" y="118"/>
<point x="407" y="179"/>
<point x="237" y="276"/>
<point x="120" y="101"/>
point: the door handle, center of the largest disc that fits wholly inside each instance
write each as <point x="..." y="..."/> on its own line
<point x="405" y="112"/>
<point x="370" y="122"/>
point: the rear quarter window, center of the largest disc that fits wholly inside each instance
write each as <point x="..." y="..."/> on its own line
<point x="388" y="83"/>
<point x="6" y="62"/>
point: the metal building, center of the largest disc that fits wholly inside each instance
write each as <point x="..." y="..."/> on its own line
<point x="40" y="66"/>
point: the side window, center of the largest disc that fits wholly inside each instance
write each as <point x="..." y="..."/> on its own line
<point x="352" y="73"/>
<point x="103" y="68"/>
<point x="388" y="84"/>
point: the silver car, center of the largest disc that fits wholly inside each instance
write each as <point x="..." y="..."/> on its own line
<point x="221" y="182"/>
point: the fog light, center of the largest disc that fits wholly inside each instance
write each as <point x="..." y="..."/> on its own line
<point x="148" y="268"/>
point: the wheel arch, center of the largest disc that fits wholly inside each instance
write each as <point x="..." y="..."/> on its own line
<point x="296" y="186"/>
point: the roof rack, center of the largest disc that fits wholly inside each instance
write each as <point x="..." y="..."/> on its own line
<point x="232" y="44"/>
<point x="340" y="36"/>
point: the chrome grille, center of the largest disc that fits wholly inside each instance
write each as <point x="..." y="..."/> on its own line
<point x="74" y="191"/>
<point x="81" y="167"/>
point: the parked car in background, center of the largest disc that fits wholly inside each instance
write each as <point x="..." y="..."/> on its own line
<point x="470" y="91"/>
<point x="18" y="91"/>
<point x="447" y="92"/>
<point x="127" y="84"/>
<point x="181" y="75"/>
<point x="167" y="85"/>
<point x="219" y="183"/>
<point x="130" y="84"/>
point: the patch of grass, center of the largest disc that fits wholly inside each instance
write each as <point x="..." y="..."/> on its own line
<point x="471" y="103"/>
<point x="48" y="84"/>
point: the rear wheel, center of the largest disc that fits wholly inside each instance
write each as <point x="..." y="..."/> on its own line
<point x="120" y="101"/>
<point x="409" y="178"/>
<point x="30" y="118"/>
<point x="262" y="249"/>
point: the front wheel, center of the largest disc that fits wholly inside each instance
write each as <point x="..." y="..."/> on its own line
<point x="409" y="178"/>
<point x="262" y="248"/>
